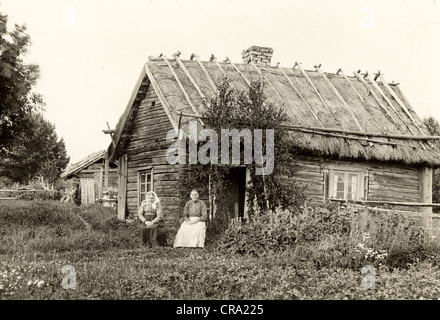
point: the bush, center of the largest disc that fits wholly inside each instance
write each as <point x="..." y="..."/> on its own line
<point x="326" y="236"/>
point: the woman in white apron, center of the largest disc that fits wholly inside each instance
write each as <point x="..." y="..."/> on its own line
<point x="192" y="231"/>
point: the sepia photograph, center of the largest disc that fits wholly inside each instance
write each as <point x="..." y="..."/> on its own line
<point x="220" y="158"/>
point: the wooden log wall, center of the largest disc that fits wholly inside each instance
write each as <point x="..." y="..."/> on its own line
<point x="146" y="149"/>
<point x="386" y="182"/>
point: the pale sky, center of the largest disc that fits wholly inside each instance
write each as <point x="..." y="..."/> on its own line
<point x="91" y="52"/>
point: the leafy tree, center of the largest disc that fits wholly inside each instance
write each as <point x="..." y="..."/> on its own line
<point x="233" y="109"/>
<point x="433" y="126"/>
<point x="35" y="153"/>
<point x="16" y="81"/>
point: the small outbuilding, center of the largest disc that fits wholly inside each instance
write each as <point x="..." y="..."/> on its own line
<point x="95" y="175"/>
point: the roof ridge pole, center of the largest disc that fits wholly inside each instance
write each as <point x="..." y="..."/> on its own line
<point x="191" y="79"/>
<point x="401" y="104"/>
<point x="340" y="97"/>
<point x="182" y="88"/>
<point x="161" y="98"/>
<point x="300" y="95"/>
<point x="211" y="82"/>
<point x="239" y="72"/>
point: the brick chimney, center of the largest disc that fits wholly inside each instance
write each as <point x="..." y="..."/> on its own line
<point x="258" y="55"/>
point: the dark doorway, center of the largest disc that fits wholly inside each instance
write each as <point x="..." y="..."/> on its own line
<point x="235" y="191"/>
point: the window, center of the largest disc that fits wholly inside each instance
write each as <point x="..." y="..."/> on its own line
<point x="348" y="185"/>
<point x="145" y="184"/>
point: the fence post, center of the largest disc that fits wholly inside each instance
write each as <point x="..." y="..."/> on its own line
<point x="426" y="197"/>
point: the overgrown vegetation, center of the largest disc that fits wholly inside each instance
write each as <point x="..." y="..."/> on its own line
<point x="247" y="110"/>
<point x="312" y="261"/>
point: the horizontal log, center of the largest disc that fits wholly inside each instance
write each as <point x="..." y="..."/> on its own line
<point x="392" y="203"/>
<point x="337" y="130"/>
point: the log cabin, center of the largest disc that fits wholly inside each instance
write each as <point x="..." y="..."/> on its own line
<point x="359" y="137"/>
<point x="95" y="175"/>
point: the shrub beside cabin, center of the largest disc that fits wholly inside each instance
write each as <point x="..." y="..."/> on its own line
<point x="359" y="137"/>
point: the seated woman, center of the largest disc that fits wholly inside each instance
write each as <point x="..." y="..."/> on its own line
<point x="192" y="231"/>
<point x="150" y="216"/>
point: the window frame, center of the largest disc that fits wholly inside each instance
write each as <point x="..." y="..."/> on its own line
<point x="362" y="184"/>
<point x="145" y="172"/>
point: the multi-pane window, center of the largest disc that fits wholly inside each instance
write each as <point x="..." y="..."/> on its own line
<point x="145" y="184"/>
<point x="346" y="185"/>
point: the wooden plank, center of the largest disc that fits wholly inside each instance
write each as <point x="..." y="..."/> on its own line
<point x="426" y="195"/>
<point x="122" y="187"/>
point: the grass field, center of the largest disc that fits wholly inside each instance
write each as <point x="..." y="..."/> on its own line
<point x="39" y="238"/>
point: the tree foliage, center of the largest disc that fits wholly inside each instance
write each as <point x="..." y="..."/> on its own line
<point x="16" y="81"/>
<point x="36" y="152"/>
<point x="29" y="146"/>
<point x="433" y="126"/>
<point x="234" y="109"/>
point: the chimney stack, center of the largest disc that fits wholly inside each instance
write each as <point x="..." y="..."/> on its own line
<point x="258" y="55"/>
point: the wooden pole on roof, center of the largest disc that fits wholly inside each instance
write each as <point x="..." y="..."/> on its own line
<point x="271" y="84"/>
<point x="340" y="97"/>
<point x="218" y="65"/>
<point x="337" y="130"/>
<point x="312" y="85"/>
<point x="401" y="104"/>
<point x="239" y="72"/>
<point x="358" y="94"/>
<point x="376" y="86"/>
<point x="161" y="97"/>
<point x="191" y="79"/>
<point x="387" y="113"/>
<point x="273" y="87"/>
<point x="301" y="97"/>
<point x="211" y="82"/>
<point x="181" y="87"/>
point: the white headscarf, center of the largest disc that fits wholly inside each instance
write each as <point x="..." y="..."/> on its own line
<point x="156" y="199"/>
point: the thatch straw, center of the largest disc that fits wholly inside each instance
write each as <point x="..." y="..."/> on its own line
<point x="371" y="116"/>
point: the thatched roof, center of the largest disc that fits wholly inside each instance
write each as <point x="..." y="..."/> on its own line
<point x="84" y="163"/>
<point x="342" y="112"/>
